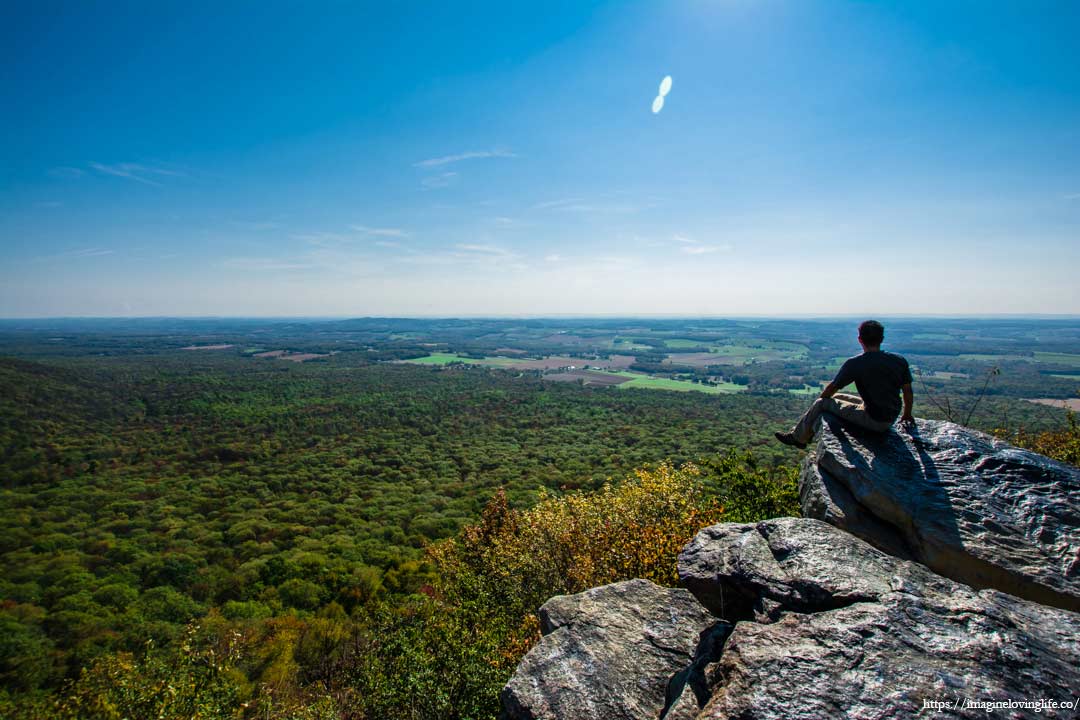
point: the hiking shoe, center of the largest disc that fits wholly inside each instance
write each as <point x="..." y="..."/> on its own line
<point x="789" y="439"/>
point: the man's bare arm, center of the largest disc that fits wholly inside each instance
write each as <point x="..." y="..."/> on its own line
<point x="907" y="417"/>
<point x="830" y="390"/>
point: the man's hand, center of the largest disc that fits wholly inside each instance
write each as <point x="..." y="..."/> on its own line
<point x="906" y="419"/>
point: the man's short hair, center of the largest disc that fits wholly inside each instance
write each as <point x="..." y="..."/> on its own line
<point x="871" y="332"/>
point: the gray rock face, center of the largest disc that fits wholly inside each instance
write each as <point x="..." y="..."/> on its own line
<point x="967" y="506"/>
<point x="845" y="630"/>
<point x="609" y="653"/>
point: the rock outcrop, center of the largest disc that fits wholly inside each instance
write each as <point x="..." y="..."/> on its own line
<point x="967" y="506"/>
<point x="609" y="653"/>
<point x="839" y="628"/>
<point x="798" y="618"/>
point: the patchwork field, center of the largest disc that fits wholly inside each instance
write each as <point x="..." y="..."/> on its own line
<point x="647" y="382"/>
<point x="1058" y="358"/>
<point x="737" y="354"/>
<point x="555" y="362"/>
<point x="1069" y="404"/>
<point x="684" y="343"/>
<point x="436" y="359"/>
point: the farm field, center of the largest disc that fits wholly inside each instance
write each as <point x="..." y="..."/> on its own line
<point x="554" y="362"/>
<point x="1069" y="403"/>
<point x="646" y="382"/>
<point x="1058" y="358"/>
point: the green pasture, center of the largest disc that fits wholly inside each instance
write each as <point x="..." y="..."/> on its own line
<point x="437" y="359"/>
<point x="767" y="350"/>
<point x="684" y="343"/>
<point x="648" y="382"/>
<point x="447" y="358"/>
<point x="835" y="363"/>
<point x="1058" y="358"/>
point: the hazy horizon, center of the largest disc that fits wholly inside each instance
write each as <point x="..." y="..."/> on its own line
<point x="490" y="160"/>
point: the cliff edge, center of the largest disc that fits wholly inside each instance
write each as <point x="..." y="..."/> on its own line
<point x="945" y="571"/>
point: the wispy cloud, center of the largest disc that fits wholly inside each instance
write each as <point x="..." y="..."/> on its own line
<point x="682" y="243"/>
<point x="471" y="155"/>
<point x="553" y="258"/>
<point x="322" y="239"/>
<point x="48" y="204"/>
<point x="705" y="249"/>
<point x="580" y="205"/>
<point x="491" y="257"/>
<point x="441" y="180"/>
<point x="88" y="252"/>
<point x="267" y="263"/>
<point x="562" y="202"/>
<point x="486" y="249"/>
<point x="1073" y="196"/>
<point x="356" y="235"/>
<point x="135" y="171"/>
<point x="692" y="246"/>
<point x="77" y="253"/>
<point x="380" y="232"/>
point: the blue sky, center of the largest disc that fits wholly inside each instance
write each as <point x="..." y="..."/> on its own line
<point x="349" y="159"/>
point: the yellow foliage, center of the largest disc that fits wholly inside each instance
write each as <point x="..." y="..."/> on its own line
<point x="566" y="544"/>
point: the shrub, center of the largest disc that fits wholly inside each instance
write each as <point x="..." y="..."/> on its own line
<point x="191" y="680"/>
<point x="1061" y="445"/>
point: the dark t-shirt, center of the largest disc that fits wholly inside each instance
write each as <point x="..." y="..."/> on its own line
<point x="878" y="376"/>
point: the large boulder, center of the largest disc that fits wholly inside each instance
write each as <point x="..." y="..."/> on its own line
<point x="609" y="653"/>
<point x="969" y="507"/>
<point x="842" y="629"/>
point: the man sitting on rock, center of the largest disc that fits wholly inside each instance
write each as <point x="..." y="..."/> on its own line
<point x="878" y="376"/>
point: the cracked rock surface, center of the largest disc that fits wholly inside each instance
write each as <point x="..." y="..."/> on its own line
<point x="843" y="629"/>
<point x="607" y="653"/>
<point x="967" y="506"/>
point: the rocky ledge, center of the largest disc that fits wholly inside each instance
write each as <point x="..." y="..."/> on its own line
<point x="796" y="618"/>
<point x="967" y="506"/>
<point x="608" y="653"/>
